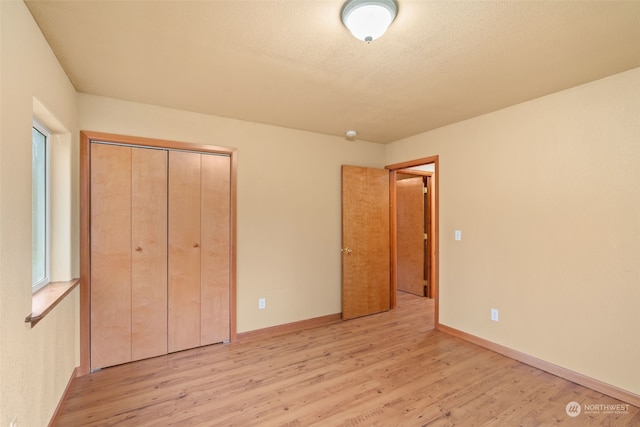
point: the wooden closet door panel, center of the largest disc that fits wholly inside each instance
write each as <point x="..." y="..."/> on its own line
<point x="184" y="250"/>
<point x="110" y="255"/>
<point x="149" y="253"/>
<point x="216" y="205"/>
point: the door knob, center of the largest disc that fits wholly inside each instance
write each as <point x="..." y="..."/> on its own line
<point x="347" y="251"/>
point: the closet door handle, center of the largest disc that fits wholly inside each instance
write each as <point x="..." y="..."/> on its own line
<point x="138" y="249"/>
<point x="195" y="245"/>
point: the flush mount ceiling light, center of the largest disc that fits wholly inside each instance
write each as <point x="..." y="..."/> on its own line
<point x="368" y="19"/>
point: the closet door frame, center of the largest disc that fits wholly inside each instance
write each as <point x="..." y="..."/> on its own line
<point x="88" y="137"/>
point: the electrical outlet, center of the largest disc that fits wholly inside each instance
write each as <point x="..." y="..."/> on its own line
<point x="495" y="316"/>
<point x="262" y="303"/>
<point x="457" y="234"/>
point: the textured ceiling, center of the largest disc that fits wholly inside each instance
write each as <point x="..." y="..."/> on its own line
<point x="291" y="62"/>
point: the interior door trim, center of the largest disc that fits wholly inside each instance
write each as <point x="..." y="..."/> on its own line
<point x="435" y="252"/>
<point x="86" y="138"/>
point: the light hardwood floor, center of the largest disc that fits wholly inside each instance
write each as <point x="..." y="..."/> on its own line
<point x="389" y="369"/>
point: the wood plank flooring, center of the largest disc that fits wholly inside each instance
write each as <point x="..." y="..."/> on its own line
<point x="389" y="369"/>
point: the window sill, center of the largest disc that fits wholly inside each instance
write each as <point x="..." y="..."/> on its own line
<point x="48" y="297"/>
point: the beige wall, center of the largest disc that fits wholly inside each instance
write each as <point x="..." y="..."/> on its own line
<point x="545" y="193"/>
<point x="35" y="364"/>
<point x="288" y="202"/>
<point x="547" y="196"/>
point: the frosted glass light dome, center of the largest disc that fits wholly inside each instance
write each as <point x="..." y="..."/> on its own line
<point x="368" y="19"/>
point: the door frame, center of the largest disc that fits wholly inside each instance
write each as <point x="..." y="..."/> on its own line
<point x="86" y="138"/>
<point x="393" y="223"/>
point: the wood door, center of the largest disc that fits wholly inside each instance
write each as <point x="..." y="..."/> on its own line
<point x="110" y="255"/>
<point x="411" y="235"/>
<point x="184" y="251"/>
<point x="216" y="248"/>
<point x="149" y="253"/>
<point x="365" y="241"/>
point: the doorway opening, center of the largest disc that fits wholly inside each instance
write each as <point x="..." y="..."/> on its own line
<point x="414" y="174"/>
<point x="414" y="226"/>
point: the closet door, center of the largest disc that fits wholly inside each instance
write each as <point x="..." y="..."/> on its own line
<point x="184" y="251"/>
<point x="159" y="247"/>
<point x="216" y="248"/>
<point x="110" y="255"/>
<point x="149" y="253"/>
<point x="199" y="249"/>
<point x="128" y="254"/>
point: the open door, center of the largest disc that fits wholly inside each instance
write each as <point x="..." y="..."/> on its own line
<point x="411" y="235"/>
<point x="365" y="241"/>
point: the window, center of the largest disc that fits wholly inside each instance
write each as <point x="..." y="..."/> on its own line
<point x="40" y="223"/>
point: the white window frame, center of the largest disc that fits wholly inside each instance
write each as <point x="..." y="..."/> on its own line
<point x="47" y="234"/>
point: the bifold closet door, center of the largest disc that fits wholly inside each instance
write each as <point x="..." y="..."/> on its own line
<point x="149" y="253"/>
<point x="216" y="248"/>
<point x="128" y="254"/>
<point x="199" y="197"/>
<point x="110" y="255"/>
<point x="184" y="250"/>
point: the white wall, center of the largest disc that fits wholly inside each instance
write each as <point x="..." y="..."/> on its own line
<point x="35" y="364"/>
<point x="547" y="196"/>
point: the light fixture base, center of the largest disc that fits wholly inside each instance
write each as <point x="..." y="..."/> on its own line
<point x="368" y="19"/>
